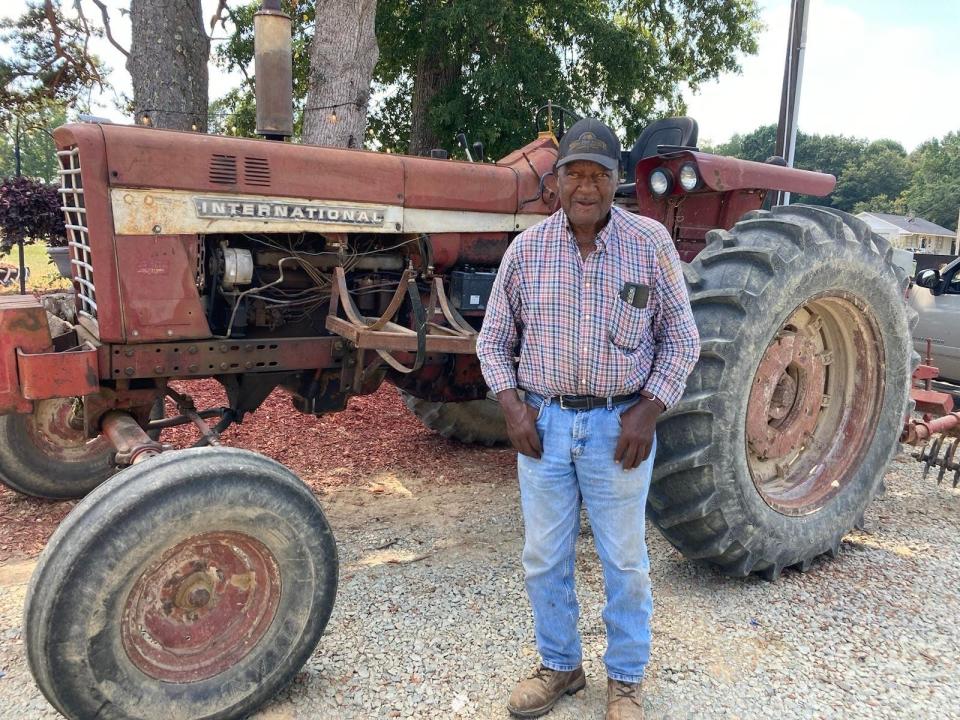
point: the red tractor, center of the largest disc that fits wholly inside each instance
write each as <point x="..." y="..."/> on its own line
<point x="194" y="583"/>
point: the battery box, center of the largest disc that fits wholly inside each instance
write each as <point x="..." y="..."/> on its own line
<point x="470" y="289"/>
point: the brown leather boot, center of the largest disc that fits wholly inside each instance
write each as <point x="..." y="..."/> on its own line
<point x="624" y="700"/>
<point x="537" y="694"/>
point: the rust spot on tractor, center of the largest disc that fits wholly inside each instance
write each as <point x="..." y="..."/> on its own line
<point x="245" y="582"/>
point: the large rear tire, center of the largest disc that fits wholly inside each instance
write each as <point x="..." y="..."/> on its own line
<point x="795" y="407"/>
<point x="191" y="586"/>
<point x="473" y="421"/>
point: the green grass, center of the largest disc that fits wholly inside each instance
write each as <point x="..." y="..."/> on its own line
<point x="44" y="276"/>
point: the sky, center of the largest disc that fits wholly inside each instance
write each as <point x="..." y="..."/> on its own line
<point x="872" y="69"/>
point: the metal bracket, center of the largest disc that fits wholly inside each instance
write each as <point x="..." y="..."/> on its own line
<point x="384" y="336"/>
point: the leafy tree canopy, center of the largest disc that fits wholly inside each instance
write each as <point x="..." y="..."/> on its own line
<point x="871" y="177"/>
<point x="626" y="60"/>
<point x="882" y="173"/>
<point x="38" y="154"/>
<point x="48" y="58"/>
<point x="934" y="190"/>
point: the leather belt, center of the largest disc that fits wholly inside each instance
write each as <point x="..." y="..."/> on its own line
<point x="589" y="402"/>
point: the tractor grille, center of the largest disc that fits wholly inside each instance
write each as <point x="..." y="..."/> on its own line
<point x="78" y="236"/>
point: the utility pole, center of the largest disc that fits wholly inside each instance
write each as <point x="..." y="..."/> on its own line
<point x="790" y="95"/>
<point x="16" y="161"/>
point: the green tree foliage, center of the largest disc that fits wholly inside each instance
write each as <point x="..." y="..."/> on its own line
<point x="47" y="67"/>
<point x="882" y="173"/>
<point x="626" y="60"/>
<point x="934" y="191"/>
<point x="47" y="59"/>
<point x="38" y="154"/>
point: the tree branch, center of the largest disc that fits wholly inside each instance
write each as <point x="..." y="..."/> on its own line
<point x="220" y="15"/>
<point x="106" y="28"/>
<point x="57" y="35"/>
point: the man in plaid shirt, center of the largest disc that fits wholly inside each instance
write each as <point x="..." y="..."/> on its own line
<point x="593" y="301"/>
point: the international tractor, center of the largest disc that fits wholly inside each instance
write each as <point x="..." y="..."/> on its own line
<point x="194" y="583"/>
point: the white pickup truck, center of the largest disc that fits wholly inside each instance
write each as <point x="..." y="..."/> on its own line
<point x="936" y="297"/>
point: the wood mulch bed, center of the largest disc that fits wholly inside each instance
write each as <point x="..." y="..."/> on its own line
<point x="375" y="435"/>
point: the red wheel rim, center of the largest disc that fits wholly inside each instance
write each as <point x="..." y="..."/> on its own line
<point x="814" y="403"/>
<point x="202" y="607"/>
<point x="56" y="429"/>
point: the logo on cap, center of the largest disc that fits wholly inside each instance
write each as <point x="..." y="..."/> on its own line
<point x="587" y="143"/>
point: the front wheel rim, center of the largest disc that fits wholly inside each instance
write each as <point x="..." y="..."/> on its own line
<point x="201" y="607"/>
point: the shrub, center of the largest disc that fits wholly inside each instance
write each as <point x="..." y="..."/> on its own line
<point x="30" y="209"/>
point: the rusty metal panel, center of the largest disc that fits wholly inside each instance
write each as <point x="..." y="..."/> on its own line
<point x="158" y="288"/>
<point x="141" y="158"/>
<point x="58" y="374"/>
<point x="931" y="401"/>
<point x="454" y="185"/>
<point x="218" y="357"/>
<point x="23" y="325"/>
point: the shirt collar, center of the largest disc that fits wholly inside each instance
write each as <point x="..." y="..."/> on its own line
<point x="605" y="236"/>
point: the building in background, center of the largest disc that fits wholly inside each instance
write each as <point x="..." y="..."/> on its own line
<point x="912" y="233"/>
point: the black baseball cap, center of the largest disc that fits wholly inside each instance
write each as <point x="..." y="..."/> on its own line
<point x="589" y="139"/>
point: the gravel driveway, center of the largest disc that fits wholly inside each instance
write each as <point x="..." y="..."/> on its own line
<point x="431" y="619"/>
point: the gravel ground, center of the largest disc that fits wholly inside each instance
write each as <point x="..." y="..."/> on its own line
<point x="432" y="621"/>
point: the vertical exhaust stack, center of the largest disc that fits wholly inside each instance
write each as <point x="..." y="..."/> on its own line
<point x="273" y="66"/>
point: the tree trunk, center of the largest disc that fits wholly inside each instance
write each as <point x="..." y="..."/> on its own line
<point x="435" y="73"/>
<point x="168" y="63"/>
<point x="342" y="57"/>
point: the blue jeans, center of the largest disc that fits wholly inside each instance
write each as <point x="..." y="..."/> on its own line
<point x="577" y="466"/>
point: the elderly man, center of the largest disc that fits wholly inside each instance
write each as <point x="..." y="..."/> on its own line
<point x="594" y="298"/>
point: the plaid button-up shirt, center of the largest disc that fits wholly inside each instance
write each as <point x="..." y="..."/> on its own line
<point x="576" y="335"/>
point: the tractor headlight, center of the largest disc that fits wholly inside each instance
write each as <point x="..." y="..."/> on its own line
<point x="689" y="177"/>
<point x="661" y="182"/>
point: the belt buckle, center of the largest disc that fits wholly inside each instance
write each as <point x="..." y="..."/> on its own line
<point x="562" y="404"/>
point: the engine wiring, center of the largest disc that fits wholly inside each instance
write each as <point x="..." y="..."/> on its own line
<point x="297" y="304"/>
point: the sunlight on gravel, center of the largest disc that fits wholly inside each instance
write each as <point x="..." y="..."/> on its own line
<point x="431" y="619"/>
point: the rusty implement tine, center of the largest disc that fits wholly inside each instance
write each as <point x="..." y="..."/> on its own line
<point x="932" y="451"/>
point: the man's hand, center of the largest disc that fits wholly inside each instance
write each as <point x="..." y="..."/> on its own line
<point x="638" y="424"/>
<point x="521" y="423"/>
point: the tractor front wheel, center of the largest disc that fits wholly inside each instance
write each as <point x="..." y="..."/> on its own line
<point x="796" y="405"/>
<point x="191" y="585"/>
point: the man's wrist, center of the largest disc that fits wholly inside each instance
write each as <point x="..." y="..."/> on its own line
<point x="508" y="397"/>
<point x="646" y="394"/>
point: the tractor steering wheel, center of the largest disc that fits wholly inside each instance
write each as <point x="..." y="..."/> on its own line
<point x="559" y="127"/>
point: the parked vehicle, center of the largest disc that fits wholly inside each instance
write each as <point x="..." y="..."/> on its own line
<point x="936" y="298"/>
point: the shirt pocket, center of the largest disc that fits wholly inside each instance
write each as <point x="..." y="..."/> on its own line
<point x="627" y="325"/>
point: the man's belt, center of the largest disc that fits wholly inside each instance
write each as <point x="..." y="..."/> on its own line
<point x="589" y="402"/>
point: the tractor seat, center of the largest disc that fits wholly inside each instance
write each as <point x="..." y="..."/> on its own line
<point x="674" y="131"/>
